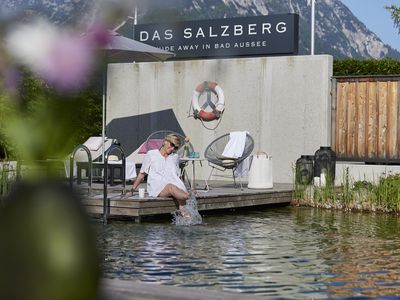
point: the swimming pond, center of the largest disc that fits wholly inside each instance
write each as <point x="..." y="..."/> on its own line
<point x="277" y="252"/>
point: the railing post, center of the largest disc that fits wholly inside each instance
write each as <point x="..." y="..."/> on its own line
<point x="71" y="166"/>
<point x="106" y="200"/>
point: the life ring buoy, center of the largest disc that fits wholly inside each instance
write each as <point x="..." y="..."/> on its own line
<point x="217" y="108"/>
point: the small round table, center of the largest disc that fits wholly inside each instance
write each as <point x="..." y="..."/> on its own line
<point x="193" y="160"/>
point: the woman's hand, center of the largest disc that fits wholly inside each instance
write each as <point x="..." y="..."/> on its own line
<point x="129" y="193"/>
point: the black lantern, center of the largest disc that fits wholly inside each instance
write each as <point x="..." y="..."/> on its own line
<point x="305" y="169"/>
<point x="325" y="162"/>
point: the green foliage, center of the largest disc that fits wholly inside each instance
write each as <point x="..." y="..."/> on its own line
<point x="388" y="192"/>
<point x="299" y="191"/>
<point x="41" y="123"/>
<point x="362" y="185"/>
<point x="6" y="149"/>
<point x="300" y="187"/>
<point x="395" y="15"/>
<point x="90" y="116"/>
<point x="347" y="193"/>
<point x="361" y="195"/>
<point x="355" y="67"/>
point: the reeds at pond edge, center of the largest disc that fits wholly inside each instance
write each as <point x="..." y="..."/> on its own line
<point x="382" y="195"/>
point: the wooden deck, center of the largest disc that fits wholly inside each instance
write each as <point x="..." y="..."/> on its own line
<point x="221" y="196"/>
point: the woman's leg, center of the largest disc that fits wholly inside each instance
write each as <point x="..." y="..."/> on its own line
<point x="171" y="190"/>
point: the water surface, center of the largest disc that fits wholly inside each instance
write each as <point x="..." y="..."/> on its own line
<point x="286" y="252"/>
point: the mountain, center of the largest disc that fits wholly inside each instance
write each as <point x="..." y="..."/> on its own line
<point x="337" y="31"/>
<point x="60" y="12"/>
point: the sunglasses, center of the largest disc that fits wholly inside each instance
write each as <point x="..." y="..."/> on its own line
<point x="173" y="145"/>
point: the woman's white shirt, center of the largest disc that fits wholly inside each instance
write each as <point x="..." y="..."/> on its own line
<point x="161" y="171"/>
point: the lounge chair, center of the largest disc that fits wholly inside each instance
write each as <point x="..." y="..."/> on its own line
<point x="216" y="160"/>
<point x="94" y="144"/>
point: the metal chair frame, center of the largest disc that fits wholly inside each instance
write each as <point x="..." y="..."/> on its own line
<point x="213" y="154"/>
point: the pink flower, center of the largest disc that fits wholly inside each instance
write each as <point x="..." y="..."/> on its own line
<point x="61" y="58"/>
<point x="98" y="35"/>
<point x="69" y="62"/>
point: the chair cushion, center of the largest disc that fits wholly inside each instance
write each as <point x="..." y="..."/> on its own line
<point x="150" y="145"/>
<point x="228" y="162"/>
<point x="113" y="158"/>
<point x="221" y="157"/>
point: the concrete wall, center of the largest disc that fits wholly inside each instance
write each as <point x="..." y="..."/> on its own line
<point x="358" y="171"/>
<point x="283" y="102"/>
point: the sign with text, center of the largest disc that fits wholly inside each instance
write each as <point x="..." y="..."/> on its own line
<point x="245" y="36"/>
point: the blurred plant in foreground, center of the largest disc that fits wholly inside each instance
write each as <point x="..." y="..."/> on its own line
<point x="61" y="58"/>
<point x="48" y="250"/>
<point x="42" y="117"/>
<point x="44" y="70"/>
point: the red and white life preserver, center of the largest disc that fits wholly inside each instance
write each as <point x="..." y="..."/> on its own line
<point x="217" y="108"/>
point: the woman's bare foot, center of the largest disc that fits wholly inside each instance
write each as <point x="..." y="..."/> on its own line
<point x="184" y="211"/>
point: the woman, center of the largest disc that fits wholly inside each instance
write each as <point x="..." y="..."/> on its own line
<point x="162" y="167"/>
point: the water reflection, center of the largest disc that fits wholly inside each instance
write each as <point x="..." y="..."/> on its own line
<point x="286" y="252"/>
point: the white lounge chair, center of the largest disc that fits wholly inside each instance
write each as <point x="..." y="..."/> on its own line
<point x="94" y="144"/>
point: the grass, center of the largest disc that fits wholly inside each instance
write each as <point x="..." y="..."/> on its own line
<point x="362" y="195"/>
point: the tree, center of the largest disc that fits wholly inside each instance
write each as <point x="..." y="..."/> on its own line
<point x="395" y="15"/>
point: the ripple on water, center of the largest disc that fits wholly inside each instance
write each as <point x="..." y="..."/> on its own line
<point x="286" y="252"/>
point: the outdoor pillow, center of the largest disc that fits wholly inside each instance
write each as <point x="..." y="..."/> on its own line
<point x="150" y="145"/>
<point x="94" y="143"/>
<point x="113" y="158"/>
<point x="228" y="162"/>
<point x="221" y="157"/>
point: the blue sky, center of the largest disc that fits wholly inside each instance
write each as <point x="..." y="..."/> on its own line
<point x="373" y="14"/>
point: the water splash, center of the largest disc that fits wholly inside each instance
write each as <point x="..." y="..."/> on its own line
<point x="192" y="218"/>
